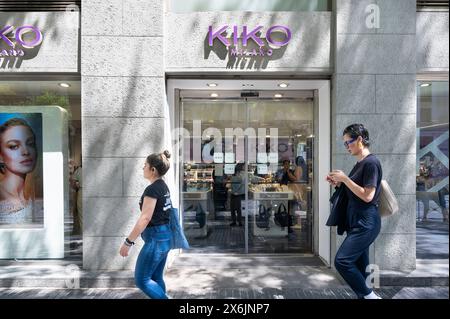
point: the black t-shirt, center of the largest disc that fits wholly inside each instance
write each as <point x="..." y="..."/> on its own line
<point x="366" y="173"/>
<point x="160" y="191"/>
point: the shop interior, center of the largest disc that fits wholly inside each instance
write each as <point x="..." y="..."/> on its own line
<point x="256" y="188"/>
<point x="66" y="93"/>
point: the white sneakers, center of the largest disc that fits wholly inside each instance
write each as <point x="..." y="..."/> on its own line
<point x="372" y="295"/>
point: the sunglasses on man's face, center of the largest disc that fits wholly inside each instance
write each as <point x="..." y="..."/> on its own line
<point x="347" y="143"/>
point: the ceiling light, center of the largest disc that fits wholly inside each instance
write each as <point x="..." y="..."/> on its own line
<point x="278" y="95"/>
<point x="64" y="85"/>
<point x="425" y="85"/>
<point x="212" y="85"/>
<point x="214" y="95"/>
<point x="283" y="85"/>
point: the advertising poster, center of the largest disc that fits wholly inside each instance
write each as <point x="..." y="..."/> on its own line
<point x="21" y="176"/>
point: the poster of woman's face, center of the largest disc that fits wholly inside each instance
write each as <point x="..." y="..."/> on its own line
<point x="21" y="182"/>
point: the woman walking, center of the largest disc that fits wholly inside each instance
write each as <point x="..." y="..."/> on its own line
<point x="153" y="226"/>
<point x="362" y="187"/>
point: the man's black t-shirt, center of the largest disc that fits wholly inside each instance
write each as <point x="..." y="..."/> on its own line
<point x="366" y="173"/>
<point x="160" y="191"/>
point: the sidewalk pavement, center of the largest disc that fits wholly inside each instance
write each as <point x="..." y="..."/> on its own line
<point x="193" y="276"/>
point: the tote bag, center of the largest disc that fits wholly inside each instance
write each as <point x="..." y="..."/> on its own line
<point x="388" y="204"/>
<point x="178" y="239"/>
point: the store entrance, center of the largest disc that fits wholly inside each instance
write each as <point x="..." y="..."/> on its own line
<point x="246" y="172"/>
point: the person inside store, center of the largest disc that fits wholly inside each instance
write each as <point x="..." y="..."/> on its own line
<point x="18" y="158"/>
<point x="301" y="170"/>
<point x="237" y="189"/>
<point x="361" y="217"/>
<point x="153" y="226"/>
<point x="285" y="175"/>
<point x="76" y="183"/>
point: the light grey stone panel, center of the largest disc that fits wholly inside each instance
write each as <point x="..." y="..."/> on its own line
<point x="352" y="14"/>
<point x="396" y="252"/>
<point x="355" y="93"/>
<point x="102" y="177"/>
<point x="101" y="96"/>
<point x="101" y="56"/>
<point x="142" y="56"/>
<point x="110" y="216"/>
<point x="404" y="221"/>
<point x="58" y="51"/>
<point x="122" y="137"/>
<point x="121" y="56"/>
<point x="102" y="253"/>
<point x="186" y="46"/>
<point x="388" y="133"/>
<point x="432" y="41"/>
<point x="142" y="96"/>
<point x="396" y="93"/>
<point x="398" y="16"/>
<point x="375" y="54"/>
<point x="343" y="162"/>
<point x="398" y="170"/>
<point x="101" y="17"/>
<point x="134" y="182"/>
<point x="143" y="17"/>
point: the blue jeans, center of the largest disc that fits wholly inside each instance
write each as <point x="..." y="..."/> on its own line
<point x="352" y="257"/>
<point x="150" y="264"/>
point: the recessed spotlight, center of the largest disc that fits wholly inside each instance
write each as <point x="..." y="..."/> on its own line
<point x="425" y="85"/>
<point x="214" y="95"/>
<point x="212" y="85"/>
<point x="278" y="95"/>
<point x="283" y="85"/>
<point x="64" y="85"/>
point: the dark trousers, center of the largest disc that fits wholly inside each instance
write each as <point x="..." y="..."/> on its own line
<point x="235" y="206"/>
<point x="352" y="258"/>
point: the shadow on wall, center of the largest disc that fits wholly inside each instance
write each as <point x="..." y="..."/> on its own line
<point x="50" y="24"/>
<point x="13" y="58"/>
<point x="251" y="57"/>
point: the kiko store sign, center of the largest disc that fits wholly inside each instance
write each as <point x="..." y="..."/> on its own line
<point x="246" y="42"/>
<point x="15" y="41"/>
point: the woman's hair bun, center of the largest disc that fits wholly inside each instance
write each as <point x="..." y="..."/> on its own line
<point x="166" y="154"/>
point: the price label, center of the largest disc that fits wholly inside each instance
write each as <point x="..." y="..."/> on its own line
<point x="229" y="157"/>
<point x="218" y="157"/>
<point x="262" y="158"/>
<point x="229" y="169"/>
<point x="273" y="158"/>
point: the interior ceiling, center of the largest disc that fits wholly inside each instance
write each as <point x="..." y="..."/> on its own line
<point x="435" y="89"/>
<point x="33" y="88"/>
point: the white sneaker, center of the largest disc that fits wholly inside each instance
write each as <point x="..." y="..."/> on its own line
<point x="372" y="295"/>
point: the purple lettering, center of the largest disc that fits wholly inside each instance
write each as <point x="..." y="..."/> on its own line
<point x="218" y="35"/>
<point x="284" y="29"/>
<point x="235" y="35"/>
<point x="252" y="35"/>
<point x="4" y="32"/>
<point x="24" y="29"/>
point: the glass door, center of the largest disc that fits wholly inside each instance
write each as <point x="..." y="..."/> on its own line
<point x="246" y="171"/>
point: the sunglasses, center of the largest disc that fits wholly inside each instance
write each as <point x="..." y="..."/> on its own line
<point x="347" y="143"/>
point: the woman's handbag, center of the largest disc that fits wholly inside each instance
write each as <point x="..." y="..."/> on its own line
<point x="388" y="204"/>
<point x="262" y="219"/>
<point x="177" y="239"/>
<point x="282" y="216"/>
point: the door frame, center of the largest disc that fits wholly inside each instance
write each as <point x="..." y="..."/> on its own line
<point x="322" y="130"/>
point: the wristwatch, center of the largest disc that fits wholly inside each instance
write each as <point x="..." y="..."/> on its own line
<point x="128" y="242"/>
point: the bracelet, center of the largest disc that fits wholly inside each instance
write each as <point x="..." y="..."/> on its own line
<point x="128" y="242"/>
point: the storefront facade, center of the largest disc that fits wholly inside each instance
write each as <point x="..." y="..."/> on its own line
<point x="152" y="68"/>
